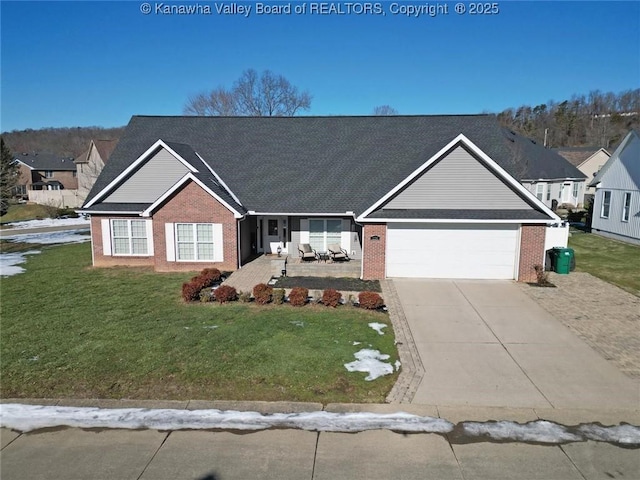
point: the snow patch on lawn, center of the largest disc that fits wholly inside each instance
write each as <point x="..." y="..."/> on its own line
<point x="297" y="323"/>
<point x="9" y="262"/>
<point x="49" y="222"/>
<point x="378" y="327"/>
<point x="49" y="238"/>
<point x="26" y="418"/>
<point x="371" y="362"/>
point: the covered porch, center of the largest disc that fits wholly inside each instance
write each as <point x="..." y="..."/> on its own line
<point x="260" y="269"/>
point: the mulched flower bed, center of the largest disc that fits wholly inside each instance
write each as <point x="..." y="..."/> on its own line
<point x="322" y="283"/>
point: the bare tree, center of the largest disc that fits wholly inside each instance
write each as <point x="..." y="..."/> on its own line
<point x="383" y="110"/>
<point x="253" y="95"/>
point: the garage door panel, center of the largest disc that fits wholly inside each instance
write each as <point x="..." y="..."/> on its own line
<point x="451" y="251"/>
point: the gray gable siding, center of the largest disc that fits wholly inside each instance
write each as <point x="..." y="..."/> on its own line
<point x="457" y="181"/>
<point x="151" y="180"/>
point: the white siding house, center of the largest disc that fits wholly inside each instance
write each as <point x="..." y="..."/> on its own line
<point x="616" y="211"/>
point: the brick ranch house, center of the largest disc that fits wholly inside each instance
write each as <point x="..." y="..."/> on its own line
<point x="410" y="196"/>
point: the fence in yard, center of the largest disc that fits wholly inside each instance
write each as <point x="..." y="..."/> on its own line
<point x="557" y="236"/>
<point x="56" y="198"/>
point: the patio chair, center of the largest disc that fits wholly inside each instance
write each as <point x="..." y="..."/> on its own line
<point x="337" y="253"/>
<point x="306" y="252"/>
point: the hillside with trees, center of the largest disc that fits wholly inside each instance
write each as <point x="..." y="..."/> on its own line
<point x="596" y="120"/>
<point x="66" y="142"/>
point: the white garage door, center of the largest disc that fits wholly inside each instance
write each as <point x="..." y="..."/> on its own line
<point x="452" y="251"/>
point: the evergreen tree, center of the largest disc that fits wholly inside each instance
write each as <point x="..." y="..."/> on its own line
<point x="9" y="172"/>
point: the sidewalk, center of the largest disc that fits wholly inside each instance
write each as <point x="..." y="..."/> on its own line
<point x="295" y="454"/>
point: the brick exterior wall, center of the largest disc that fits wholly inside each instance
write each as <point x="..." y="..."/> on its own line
<point x="373" y="260"/>
<point x="191" y="204"/>
<point x="102" y="260"/>
<point x="531" y="251"/>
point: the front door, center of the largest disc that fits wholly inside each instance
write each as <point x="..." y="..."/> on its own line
<point x="274" y="234"/>
<point x="566" y="192"/>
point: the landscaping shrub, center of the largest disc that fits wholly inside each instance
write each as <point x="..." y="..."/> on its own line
<point x="542" y="277"/>
<point x="205" y="295"/>
<point x="331" y="297"/>
<point x="278" y="296"/>
<point x="298" y="296"/>
<point x="370" y="300"/>
<point x="244" y="297"/>
<point x="225" y="293"/>
<point x="207" y="277"/>
<point x="190" y="291"/>
<point x="262" y="293"/>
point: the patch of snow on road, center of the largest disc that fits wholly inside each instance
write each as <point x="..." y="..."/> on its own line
<point x="398" y="365"/>
<point x="624" y="434"/>
<point x="49" y="222"/>
<point x="540" y="431"/>
<point x="370" y="361"/>
<point x="26" y="418"/>
<point x="49" y="238"/>
<point x="9" y="262"/>
<point x="378" y="327"/>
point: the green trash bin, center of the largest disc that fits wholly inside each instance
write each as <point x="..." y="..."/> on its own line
<point x="563" y="260"/>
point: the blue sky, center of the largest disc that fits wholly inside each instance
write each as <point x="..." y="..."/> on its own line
<point x="83" y="63"/>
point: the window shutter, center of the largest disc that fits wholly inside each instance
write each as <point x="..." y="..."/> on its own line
<point x="170" y="241"/>
<point x="149" y="224"/>
<point x="345" y="239"/>
<point x="304" y="231"/>
<point x="218" y="243"/>
<point x="106" y="237"/>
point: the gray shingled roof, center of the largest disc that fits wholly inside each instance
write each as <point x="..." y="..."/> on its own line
<point x="327" y="164"/>
<point x="46" y="161"/>
<point x="577" y="155"/>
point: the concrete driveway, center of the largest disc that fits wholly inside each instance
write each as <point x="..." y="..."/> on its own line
<point x="486" y="343"/>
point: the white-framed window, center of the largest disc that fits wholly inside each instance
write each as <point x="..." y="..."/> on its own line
<point x="194" y="242"/>
<point x="549" y="193"/>
<point x="626" y="206"/>
<point x="48" y="174"/>
<point x="540" y="191"/>
<point x="560" y="191"/>
<point x="576" y="187"/>
<point x="324" y="232"/>
<point x="129" y="237"/>
<point x="606" y="204"/>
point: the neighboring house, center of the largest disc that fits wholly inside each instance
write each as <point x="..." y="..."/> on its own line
<point x="91" y="163"/>
<point x="616" y="208"/>
<point x="552" y="179"/>
<point x="410" y="196"/>
<point x="43" y="178"/>
<point x="589" y="160"/>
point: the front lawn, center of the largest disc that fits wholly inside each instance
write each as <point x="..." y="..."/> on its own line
<point x="69" y="330"/>
<point x="615" y="262"/>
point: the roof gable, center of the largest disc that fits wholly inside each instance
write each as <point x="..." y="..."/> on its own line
<point x="458" y="180"/>
<point x="622" y="170"/>
<point x="155" y="171"/>
<point x="484" y="185"/>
